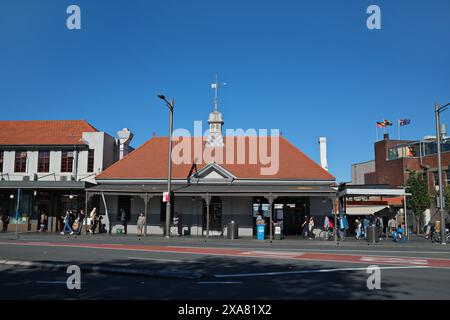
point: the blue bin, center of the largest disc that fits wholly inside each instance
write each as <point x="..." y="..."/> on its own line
<point x="260" y="230"/>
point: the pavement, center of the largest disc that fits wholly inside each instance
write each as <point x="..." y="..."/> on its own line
<point x="153" y="267"/>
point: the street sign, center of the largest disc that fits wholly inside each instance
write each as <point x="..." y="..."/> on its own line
<point x="165" y="197"/>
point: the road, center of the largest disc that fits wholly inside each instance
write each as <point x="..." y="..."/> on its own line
<point x="227" y="270"/>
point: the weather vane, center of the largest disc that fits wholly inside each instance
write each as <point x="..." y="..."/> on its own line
<point x="215" y="85"/>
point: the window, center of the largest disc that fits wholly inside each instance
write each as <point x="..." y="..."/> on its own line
<point x="44" y="161"/>
<point x="90" y="164"/>
<point x="20" y="163"/>
<point x="67" y="161"/>
<point x="1" y="161"/>
<point x="436" y="178"/>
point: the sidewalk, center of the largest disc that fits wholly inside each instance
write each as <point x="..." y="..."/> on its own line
<point x="292" y="242"/>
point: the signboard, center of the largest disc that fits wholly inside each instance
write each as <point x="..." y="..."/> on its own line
<point x="278" y="206"/>
<point x="165" y="197"/>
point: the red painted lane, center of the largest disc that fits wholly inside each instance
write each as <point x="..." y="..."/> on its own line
<point x="309" y="256"/>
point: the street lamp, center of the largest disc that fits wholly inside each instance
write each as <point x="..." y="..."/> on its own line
<point x="169" y="179"/>
<point x="437" y="111"/>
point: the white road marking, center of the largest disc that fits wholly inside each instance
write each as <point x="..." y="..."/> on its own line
<point x="219" y="282"/>
<point x="308" y="271"/>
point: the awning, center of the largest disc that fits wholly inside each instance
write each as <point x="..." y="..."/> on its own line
<point x="364" y="210"/>
<point x="372" y="192"/>
<point x="44" y="185"/>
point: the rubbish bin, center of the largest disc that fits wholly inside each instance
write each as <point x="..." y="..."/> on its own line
<point x="277" y="234"/>
<point x="232" y="230"/>
<point x="372" y="234"/>
<point x="260" y="231"/>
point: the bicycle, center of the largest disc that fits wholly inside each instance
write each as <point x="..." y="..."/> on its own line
<point x="326" y="234"/>
<point x="436" y="236"/>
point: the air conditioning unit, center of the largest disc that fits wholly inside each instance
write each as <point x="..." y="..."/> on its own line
<point x="26" y="178"/>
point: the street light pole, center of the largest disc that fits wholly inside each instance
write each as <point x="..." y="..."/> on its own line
<point x="437" y="111"/>
<point x="170" y="105"/>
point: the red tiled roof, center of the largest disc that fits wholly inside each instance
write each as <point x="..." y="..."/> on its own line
<point x="149" y="161"/>
<point x="43" y="132"/>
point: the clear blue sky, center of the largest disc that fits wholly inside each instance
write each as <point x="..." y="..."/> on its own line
<point x="309" y="68"/>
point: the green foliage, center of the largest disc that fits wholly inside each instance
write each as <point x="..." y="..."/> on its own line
<point x="420" y="199"/>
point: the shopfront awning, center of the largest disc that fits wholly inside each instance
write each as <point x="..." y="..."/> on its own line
<point x="364" y="210"/>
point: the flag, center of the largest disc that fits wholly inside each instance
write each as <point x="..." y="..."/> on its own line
<point x="404" y="122"/>
<point x="381" y="124"/>
<point x="387" y="123"/>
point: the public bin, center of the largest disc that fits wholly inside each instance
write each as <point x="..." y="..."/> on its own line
<point x="277" y="233"/>
<point x="232" y="230"/>
<point x="372" y="235"/>
<point x="260" y="231"/>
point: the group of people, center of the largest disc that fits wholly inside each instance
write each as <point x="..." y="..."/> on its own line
<point x="74" y="224"/>
<point x="362" y="225"/>
<point x="307" y="228"/>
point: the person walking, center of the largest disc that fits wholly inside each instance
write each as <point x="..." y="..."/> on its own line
<point x="305" y="227"/>
<point x="392" y="225"/>
<point x="94" y="220"/>
<point x="81" y="217"/>
<point x="358" y="229"/>
<point x="67" y="223"/>
<point x="140" y="224"/>
<point x="311" y="228"/>
<point x="123" y="219"/>
<point x="365" y="223"/>
<point x="43" y="222"/>
<point x="5" y="221"/>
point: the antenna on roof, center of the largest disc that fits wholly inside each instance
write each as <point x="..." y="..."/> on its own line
<point x="215" y="85"/>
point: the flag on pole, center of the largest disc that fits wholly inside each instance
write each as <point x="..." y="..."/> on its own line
<point x="381" y="124"/>
<point x="404" y="122"/>
<point x="387" y="123"/>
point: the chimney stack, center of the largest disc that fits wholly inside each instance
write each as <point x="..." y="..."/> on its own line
<point x="125" y="136"/>
<point x="386" y="136"/>
<point x="323" y="152"/>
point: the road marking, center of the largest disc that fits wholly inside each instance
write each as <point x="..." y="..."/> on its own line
<point x="158" y="259"/>
<point x="219" y="282"/>
<point x="258" y="274"/>
<point x="54" y="282"/>
<point x="374" y="259"/>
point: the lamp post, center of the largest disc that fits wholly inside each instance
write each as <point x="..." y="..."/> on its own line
<point x="437" y="111"/>
<point x="169" y="179"/>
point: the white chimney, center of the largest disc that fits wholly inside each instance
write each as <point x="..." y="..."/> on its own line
<point x="323" y="152"/>
<point x="125" y="136"/>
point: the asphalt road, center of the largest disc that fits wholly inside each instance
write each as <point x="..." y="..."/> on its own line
<point x="223" y="276"/>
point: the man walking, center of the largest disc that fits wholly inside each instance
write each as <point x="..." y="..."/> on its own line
<point x="123" y="219"/>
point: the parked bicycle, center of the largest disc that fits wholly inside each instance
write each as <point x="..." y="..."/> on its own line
<point x="436" y="235"/>
<point x="327" y="234"/>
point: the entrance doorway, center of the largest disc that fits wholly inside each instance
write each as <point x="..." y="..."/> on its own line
<point x="215" y="214"/>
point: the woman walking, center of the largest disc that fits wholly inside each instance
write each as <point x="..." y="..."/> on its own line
<point x="94" y="220"/>
<point x="140" y="223"/>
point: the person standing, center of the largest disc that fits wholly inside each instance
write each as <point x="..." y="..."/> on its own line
<point x="305" y="227"/>
<point x="392" y="225"/>
<point x="140" y="223"/>
<point x="5" y="221"/>
<point x="365" y="223"/>
<point x="358" y="228"/>
<point x="123" y="219"/>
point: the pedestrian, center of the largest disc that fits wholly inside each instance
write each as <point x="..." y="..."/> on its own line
<point x="43" y="222"/>
<point x="392" y="225"/>
<point x="358" y="229"/>
<point x="67" y="223"/>
<point x="123" y="219"/>
<point x="140" y="223"/>
<point x="5" y="221"/>
<point x="81" y="217"/>
<point x="305" y="227"/>
<point x="311" y="228"/>
<point x="365" y="223"/>
<point x="94" y="220"/>
<point x="326" y="223"/>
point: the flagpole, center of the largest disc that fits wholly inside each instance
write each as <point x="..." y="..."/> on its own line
<point x="376" y="132"/>
<point x="398" y="128"/>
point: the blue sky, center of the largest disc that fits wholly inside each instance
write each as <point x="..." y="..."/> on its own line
<point x="309" y="68"/>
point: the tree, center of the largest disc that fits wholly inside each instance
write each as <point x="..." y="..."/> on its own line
<point x="420" y="199"/>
